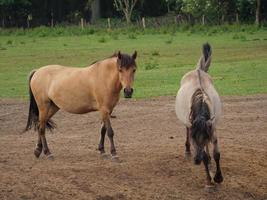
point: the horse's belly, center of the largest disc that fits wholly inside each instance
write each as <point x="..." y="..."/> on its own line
<point x="74" y="101"/>
<point x="76" y="107"/>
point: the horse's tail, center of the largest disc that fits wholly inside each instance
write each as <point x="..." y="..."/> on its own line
<point x="205" y="59"/>
<point x="33" y="117"/>
<point x="33" y="108"/>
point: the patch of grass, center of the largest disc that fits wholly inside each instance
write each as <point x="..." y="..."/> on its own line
<point x="151" y="65"/>
<point x="155" y="53"/>
<point x="102" y="40"/>
<point x="9" y="42"/>
<point x="238" y="68"/>
<point x="169" y="41"/>
<point x="132" y="36"/>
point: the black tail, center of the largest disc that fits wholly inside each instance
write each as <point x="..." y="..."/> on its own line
<point x="206" y="51"/>
<point x="205" y="59"/>
<point x="33" y="117"/>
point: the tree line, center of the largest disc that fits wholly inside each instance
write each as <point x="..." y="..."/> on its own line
<point x="32" y="13"/>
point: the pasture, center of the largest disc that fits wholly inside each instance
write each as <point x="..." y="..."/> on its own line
<point x="149" y="138"/>
<point x="238" y="65"/>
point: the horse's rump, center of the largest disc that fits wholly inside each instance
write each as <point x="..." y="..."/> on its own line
<point x="189" y="85"/>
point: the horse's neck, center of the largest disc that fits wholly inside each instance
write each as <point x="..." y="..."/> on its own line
<point x="107" y="72"/>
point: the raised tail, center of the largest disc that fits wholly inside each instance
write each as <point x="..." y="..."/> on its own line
<point x="33" y="117"/>
<point x="205" y="59"/>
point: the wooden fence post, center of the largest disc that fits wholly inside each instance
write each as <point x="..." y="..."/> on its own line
<point x="144" y="22"/>
<point x="109" y="24"/>
<point x="237" y="18"/>
<point x="203" y="19"/>
<point x="52" y="19"/>
<point x="82" y="23"/>
<point x="222" y="19"/>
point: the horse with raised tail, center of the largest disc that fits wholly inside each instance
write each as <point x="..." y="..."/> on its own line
<point x="198" y="107"/>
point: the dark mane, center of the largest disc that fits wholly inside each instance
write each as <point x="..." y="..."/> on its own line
<point x="198" y="117"/>
<point x="126" y="60"/>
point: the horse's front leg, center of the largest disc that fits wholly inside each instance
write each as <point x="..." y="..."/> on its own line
<point x="103" y="131"/>
<point x="110" y="132"/>
<point x="218" y="178"/>
<point x="206" y="164"/>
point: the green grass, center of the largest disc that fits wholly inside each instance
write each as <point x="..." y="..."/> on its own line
<point x="239" y="64"/>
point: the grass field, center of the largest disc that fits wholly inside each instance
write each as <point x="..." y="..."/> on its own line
<point x="239" y="65"/>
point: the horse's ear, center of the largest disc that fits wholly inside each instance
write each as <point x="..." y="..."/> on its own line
<point x="119" y="55"/>
<point x="134" y="55"/>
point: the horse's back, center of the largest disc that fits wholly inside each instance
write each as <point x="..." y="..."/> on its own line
<point x="68" y="87"/>
<point x="189" y="84"/>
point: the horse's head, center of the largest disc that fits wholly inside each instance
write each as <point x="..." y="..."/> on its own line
<point x="127" y="68"/>
<point x="201" y="125"/>
<point x="201" y="133"/>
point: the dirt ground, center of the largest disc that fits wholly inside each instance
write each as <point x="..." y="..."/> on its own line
<point x="150" y="144"/>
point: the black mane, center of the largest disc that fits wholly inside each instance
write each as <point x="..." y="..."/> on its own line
<point x="126" y="60"/>
<point x="199" y="115"/>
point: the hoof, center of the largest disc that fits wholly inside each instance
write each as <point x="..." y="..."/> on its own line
<point x="115" y="159"/>
<point x="37" y="153"/>
<point x="218" y="178"/>
<point x="104" y="156"/>
<point x="50" y="157"/>
<point x="210" y="187"/>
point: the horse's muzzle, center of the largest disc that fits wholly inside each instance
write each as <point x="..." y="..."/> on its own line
<point x="128" y="92"/>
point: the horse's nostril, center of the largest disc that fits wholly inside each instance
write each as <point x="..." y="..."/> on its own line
<point x="128" y="90"/>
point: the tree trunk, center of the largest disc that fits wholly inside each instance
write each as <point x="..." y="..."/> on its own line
<point x="258" y="2"/>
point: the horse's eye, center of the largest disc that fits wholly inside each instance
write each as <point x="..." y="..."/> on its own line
<point x="134" y="70"/>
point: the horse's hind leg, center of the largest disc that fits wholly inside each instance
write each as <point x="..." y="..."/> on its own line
<point x="187" y="143"/>
<point x="39" y="147"/>
<point x="218" y="178"/>
<point x="45" y="112"/>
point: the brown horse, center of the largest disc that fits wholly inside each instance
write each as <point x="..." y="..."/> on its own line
<point x="79" y="90"/>
<point x="198" y="107"/>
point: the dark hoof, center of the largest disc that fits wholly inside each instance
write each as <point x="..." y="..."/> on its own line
<point x="37" y="153"/>
<point x="113" y="116"/>
<point x="218" y="178"/>
<point x="105" y="156"/>
<point x="50" y="157"/>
